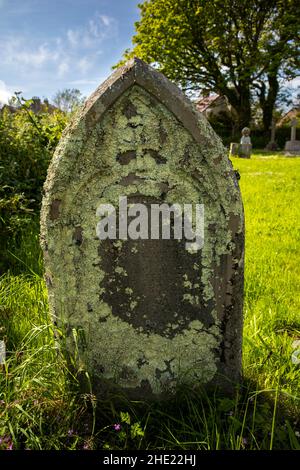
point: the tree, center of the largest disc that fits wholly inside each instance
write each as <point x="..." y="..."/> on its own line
<point x="68" y="99"/>
<point x="233" y="47"/>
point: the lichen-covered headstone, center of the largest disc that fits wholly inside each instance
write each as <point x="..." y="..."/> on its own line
<point x="292" y="147"/>
<point x="147" y="314"/>
<point x="244" y="148"/>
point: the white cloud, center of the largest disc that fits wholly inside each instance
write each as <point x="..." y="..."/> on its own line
<point x="63" y="68"/>
<point x="83" y="82"/>
<point x="84" y="65"/>
<point x="92" y="30"/>
<point x="107" y="20"/>
<point x="97" y="29"/>
<point x="16" y="51"/>
<point x="73" y="37"/>
<point x="36" y="57"/>
<point x="5" y="92"/>
<point x="73" y="55"/>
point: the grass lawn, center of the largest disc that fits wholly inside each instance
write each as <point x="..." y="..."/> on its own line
<point x="41" y="406"/>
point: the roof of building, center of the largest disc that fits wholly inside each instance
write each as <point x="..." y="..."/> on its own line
<point x="205" y="102"/>
<point x="287" y="117"/>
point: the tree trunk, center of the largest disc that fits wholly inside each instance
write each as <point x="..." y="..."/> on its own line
<point x="269" y="102"/>
<point x="240" y="100"/>
<point x="243" y="109"/>
<point x="244" y="116"/>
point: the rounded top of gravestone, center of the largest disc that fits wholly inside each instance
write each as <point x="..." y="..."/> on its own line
<point x="151" y="313"/>
<point x="138" y="72"/>
<point x="246" y="131"/>
<point x="134" y="72"/>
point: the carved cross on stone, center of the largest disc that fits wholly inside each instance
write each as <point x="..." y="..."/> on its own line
<point x="292" y="147"/>
<point x="294" y="123"/>
<point x="272" y="145"/>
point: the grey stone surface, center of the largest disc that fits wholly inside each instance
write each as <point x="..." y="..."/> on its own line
<point x="292" y="147"/>
<point x="234" y="149"/>
<point x="245" y="144"/>
<point x="272" y="145"/>
<point x="149" y="315"/>
<point x="244" y="148"/>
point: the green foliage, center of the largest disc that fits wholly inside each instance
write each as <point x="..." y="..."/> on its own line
<point x="27" y="141"/>
<point x="125" y="434"/>
<point x="41" y="406"/>
<point x="234" y="48"/>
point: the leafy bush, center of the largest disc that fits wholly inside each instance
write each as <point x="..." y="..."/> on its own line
<point x="27" y="142"/>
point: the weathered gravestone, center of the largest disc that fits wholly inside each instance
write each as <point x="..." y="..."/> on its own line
<point x="244" y="148"/>
<point x="292" y="147"/>
<point x="151" y="314"/>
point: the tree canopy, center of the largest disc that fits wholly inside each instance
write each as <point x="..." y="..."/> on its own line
<point x="237" y="48"/>
<point x="68" y="99"/>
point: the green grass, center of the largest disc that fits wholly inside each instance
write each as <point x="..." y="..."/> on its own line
<point x="41" y="406"/>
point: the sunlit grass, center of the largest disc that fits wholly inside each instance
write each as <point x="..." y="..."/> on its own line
<point x="41" y="406"/>
<point x="271" y="192"/>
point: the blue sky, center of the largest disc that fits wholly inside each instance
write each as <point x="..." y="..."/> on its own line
<point x="48" y="45"/>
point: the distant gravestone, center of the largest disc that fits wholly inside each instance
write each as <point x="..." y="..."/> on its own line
<point x="292" y="147"/>
<point x="147" y="313"/>
<point x="244" y="148"/>
<point x="245" y="144"/>
<point x="272" y="145"/>
<point x="234" y="150"/>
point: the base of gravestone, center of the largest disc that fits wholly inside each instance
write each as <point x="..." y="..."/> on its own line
<point x="105" y="391"/>
<point x="240" y="150"/>
<point x="225" y="383"/>
<point x="100" y="389"/>
<point x="234" y="149"/>
<point x="271" y="146"/>
<point x="292" y="147"/>
<point x="245" y="150"/>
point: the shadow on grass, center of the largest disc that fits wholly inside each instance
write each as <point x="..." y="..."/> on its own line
<point x="198" y="420"/>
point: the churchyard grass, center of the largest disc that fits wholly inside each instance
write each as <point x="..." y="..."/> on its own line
<point x="41" y="406"/>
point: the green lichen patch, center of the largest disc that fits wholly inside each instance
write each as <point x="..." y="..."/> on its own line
<point x="150" y="310"/>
